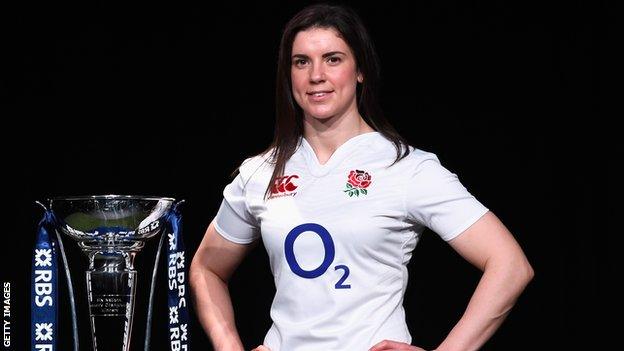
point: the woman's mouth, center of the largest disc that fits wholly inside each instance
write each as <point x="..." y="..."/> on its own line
<point x="318" y="96"/>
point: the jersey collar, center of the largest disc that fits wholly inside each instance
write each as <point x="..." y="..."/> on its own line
<point x="341" y="153"/>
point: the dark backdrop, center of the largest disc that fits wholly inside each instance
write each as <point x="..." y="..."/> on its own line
<point x="168" y="98"/>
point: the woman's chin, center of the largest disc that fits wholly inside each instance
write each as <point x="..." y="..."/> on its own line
<point x="320" y="115"/>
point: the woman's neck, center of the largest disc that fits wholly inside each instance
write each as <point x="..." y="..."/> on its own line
<point x="325" y="136"/>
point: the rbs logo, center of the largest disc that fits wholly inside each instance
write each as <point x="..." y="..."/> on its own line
<point x="43" y="277"/>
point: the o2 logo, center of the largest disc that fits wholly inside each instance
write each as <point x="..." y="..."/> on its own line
<point x="330" y="253"/>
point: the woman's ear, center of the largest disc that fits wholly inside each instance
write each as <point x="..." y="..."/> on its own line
<point x="360" y="78"/>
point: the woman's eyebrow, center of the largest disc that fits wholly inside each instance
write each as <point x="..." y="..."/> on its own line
<point x="331" y="53"/>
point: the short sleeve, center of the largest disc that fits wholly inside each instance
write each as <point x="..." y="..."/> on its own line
<point x="234" y="221"/>
<point x="436" y="199"/>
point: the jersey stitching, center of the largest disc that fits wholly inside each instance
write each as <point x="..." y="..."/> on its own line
<point x="256" y="221"/>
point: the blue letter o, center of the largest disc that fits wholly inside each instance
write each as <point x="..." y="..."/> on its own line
<point x="328" y="244"/>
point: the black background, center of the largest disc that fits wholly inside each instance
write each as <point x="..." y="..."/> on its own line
<point x="168" y="98"/>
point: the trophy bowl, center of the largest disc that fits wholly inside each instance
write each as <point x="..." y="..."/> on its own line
<point x="110" y="220"/>
<point x="111" y="230"/>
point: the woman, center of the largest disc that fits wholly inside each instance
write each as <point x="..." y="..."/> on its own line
<point x="340" y="200"/>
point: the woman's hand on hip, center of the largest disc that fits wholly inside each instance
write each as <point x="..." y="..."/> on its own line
<point x="389" y="345"/>
<point x="261" y="348"/>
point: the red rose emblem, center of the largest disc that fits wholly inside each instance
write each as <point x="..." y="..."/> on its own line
<point x="359" y="179"/>
<point x="357" y="182"/>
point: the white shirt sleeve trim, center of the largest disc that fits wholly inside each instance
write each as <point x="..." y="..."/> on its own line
<point x="230" y="237"/>
<point x="466" y="224"/>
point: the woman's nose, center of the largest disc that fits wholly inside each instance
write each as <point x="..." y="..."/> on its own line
<point x="317" y="72"/>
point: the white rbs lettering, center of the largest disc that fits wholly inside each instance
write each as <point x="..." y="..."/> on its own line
<point x="43" y="288"/>
<point x="45" y="301"/>
<point x="173" y="284"/>
<point x="174" y="338"/>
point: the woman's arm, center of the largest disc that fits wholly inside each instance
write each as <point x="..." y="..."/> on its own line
<point x="489" y="246"/>
<point x="211" y="268"/>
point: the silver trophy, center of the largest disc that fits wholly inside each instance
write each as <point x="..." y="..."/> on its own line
<point x="110" y="231"/>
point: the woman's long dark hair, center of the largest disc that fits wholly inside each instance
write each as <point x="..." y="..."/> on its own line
<point x="289" y="115"/>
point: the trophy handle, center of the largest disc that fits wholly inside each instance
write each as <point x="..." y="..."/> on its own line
<point x="177" y="204"/>
<point x="45" y="209"/>
<point x="148" y="327"/>
<point x="70" y="286"/>
<point x="70" y="289"/>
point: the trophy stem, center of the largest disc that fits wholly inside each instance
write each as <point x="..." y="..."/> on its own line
<point x="111" y="287"/>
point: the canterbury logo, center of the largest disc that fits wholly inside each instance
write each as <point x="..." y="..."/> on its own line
<point x="284" y="185"/>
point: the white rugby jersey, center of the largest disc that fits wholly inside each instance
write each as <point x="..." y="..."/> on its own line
<point x="339" y="237"/>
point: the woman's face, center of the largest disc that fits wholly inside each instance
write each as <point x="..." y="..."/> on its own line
<point x="323" y="73"/>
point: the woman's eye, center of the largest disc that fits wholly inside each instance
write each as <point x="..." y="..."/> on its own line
<point x="299" y="62"/>
<point x="334" y="59"/>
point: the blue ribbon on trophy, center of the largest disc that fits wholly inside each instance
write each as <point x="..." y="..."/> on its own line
<point x="176" y="277"/>
<point x="44" y="298"/>
<point x="177" y="283"/>
<point x="44" y="301"/>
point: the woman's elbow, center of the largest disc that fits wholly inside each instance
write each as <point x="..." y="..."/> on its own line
<point x="524" y="272"/>
<point x="529" y="273"/>
<point x="516" y="270"/>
